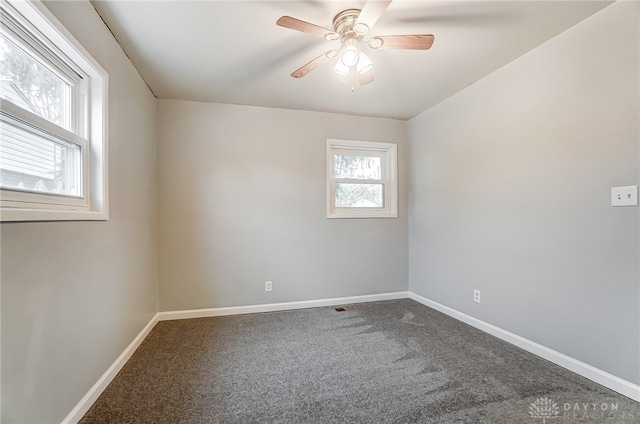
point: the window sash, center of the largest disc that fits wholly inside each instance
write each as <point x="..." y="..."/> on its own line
<point x="60" y="113"/>
<point x="23" y="34"/>
<point x="27" y="35"/>
<point x="12" y="197"/>
<point x="383" y="189"/>
<point x="358" y="153"/>
<point x="353" y="152"/>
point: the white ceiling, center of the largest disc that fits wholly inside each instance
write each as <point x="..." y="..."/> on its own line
<point x="233" y="52"/>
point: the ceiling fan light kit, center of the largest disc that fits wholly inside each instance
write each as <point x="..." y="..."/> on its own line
<point x="349" y="27"/>
<point x="341" y="69"/>
<point x="364" y="63"/>
<point x="350" y="56"/>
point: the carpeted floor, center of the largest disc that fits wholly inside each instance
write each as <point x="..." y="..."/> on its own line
<point x="386" y="362"/>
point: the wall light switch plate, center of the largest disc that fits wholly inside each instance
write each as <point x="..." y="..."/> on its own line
<point x="624" y="196"/>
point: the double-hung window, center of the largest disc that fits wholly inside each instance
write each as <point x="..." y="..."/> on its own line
<point x="52" y="120"/>
<point x="362" y="179"/>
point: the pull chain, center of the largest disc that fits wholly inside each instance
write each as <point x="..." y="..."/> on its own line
<point x="352" y="74"/>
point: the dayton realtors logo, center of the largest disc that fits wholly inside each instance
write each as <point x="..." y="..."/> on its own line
<point x="544" y="408"/>
<point x="596" y="411"/>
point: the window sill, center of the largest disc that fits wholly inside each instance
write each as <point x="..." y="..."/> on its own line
<point x="347" y="215"/>
<point x="33" y="215"/>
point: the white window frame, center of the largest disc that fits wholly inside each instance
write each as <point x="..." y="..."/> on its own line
<point x="88" y="120"/>
<point x="388" y="152"/>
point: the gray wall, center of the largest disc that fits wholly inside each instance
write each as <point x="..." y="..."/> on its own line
<point x="241" y="200"/>
<point x="510" y="194"/>
<point x="75" y="294"/>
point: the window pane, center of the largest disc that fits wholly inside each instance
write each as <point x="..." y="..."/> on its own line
<point x="32" y="86"/>
<point x="32" y="162"/>
<point x="357" y="167"/>
<point x="359" y="195"/>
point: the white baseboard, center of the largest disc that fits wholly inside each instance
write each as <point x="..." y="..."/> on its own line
<point x="92" y="395"/>
<point x="614" y="383"/>
<point x="272" y="307"/>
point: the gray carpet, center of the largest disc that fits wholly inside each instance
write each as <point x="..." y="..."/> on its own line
<point x="386" y="362"/>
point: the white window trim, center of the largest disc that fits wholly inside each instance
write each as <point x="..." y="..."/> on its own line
<point x="389" y="179"/>
<point x="97" y="164"/>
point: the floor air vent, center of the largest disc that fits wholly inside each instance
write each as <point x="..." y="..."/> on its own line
<point x="345" y="308"/>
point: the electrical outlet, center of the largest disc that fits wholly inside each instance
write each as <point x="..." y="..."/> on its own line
<point x="267" y="286"/>
<point x="624" y="196"/>
<point x="476" y="296"/>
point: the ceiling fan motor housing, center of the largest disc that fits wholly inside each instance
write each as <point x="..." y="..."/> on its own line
<point x="349" y="31"/>
<point x="343" y="24"/>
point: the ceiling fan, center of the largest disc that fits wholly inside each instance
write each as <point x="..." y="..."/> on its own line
<point x="350" y="27"/>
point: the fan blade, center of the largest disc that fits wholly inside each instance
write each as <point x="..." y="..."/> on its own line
<point x="366" y="77"/>
<point x="371" y="12"/>
<point x="409" y="42"/>
<point x="302" y="26"/>
<point x="304" y="70"/>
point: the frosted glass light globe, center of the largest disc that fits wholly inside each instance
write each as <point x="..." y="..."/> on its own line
<point x="350" y="56"/>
